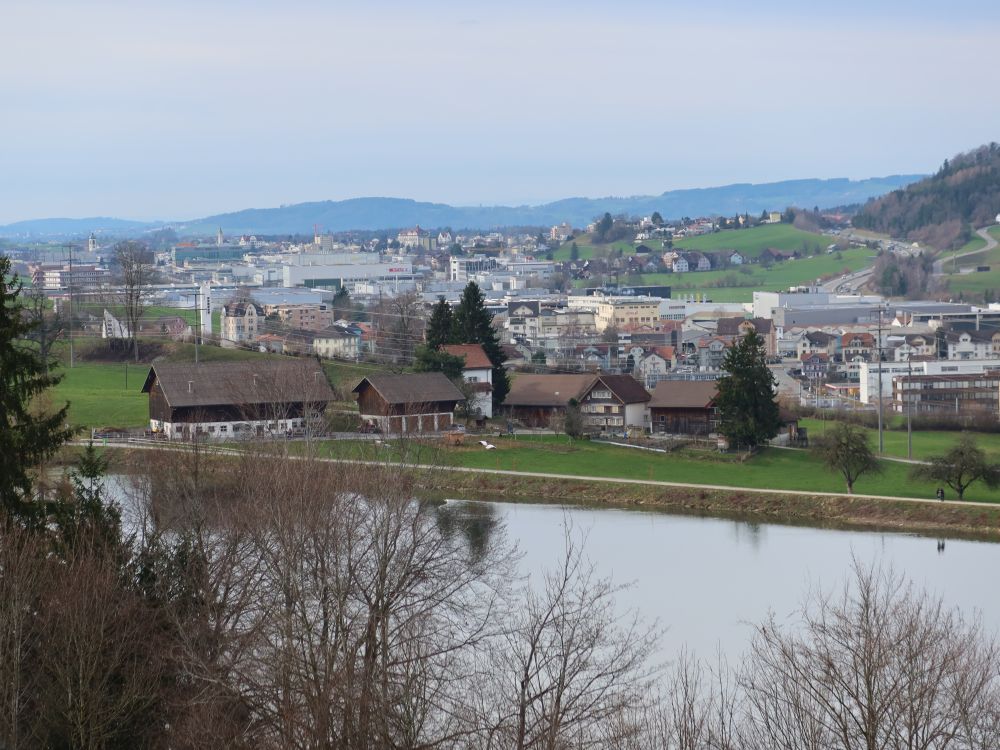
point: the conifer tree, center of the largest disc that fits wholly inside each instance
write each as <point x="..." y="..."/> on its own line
<point x="26" y="438"/>
<point x="747" y="409"/>
<point x="441" y="326"/>
<point x="474" y="325"/>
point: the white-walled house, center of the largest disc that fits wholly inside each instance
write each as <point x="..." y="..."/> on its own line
<point x="477" y="373"/>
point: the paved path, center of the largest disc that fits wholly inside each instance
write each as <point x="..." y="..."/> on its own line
<point x="151" y="445"/>
<point x="990" y="245"/>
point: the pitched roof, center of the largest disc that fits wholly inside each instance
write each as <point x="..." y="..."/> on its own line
<point x="473" y="354"/>
<point x="731" y="326"/>
<point x="819" y="338"/>
<point x="412" y="388"/>
<point x="684" y="394"/>
<point x="529" y="389"/>
<point x="261" y="381"/>
<point x="625" y="387"/>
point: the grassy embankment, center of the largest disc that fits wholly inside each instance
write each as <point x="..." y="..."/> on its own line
<point x="794" y="470"/>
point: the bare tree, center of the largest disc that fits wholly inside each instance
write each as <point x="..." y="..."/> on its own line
<point x="133" y="261"/>
<point x="47" y="326"/>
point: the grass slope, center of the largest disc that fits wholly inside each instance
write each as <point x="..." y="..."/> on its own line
<point x="753" y="242"/>
<point x="973" y="285"/>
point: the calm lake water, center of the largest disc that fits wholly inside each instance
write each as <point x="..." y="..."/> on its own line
<point x="705" y="579"/>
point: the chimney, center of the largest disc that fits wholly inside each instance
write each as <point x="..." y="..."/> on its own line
<point x="190" y="386"/>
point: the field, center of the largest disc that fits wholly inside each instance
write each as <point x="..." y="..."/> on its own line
<point x="925" y="443"/>
<point x="741" y="284"/>
<point x="754" y="241"/>
<point x="751" y="242"/>
<point x="771" y="469"/>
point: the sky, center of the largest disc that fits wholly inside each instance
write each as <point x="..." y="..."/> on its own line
<point x="181" y="109"/>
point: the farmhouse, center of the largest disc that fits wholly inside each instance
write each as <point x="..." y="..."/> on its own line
<point x="414" y="402"/>
<point x="607" y="402"/>
<point x="224" y="400"/>
<point x="684" y="407"/>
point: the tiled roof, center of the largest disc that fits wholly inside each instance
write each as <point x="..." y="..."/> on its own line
<point x="530" y="389"/>
<point x="262" y="381"/>
<point x="625" y="387"/>
<point x="412" y="388"/>
<point x="473" y="354"/>
<point x="681" y="394"/>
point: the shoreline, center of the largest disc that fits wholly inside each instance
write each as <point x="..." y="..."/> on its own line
<point x="826" y="511"/>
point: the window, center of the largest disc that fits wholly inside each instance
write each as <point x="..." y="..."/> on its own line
<point x="224" y="428"/>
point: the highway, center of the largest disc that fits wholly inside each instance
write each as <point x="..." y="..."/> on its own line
<point x="990" y="245"/>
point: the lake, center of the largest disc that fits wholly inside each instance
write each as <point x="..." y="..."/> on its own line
<point x="705" y="579"/>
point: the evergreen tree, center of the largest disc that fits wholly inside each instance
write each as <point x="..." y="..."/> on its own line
<point x="747" y="409"/>
<point x="26" y="438"/>
<point x="441" y="326"/>
<point x="88" y="516"/>
<point x="474" y="325"/>
<point x="427" y="359"/>
<point x="574" y="252"/>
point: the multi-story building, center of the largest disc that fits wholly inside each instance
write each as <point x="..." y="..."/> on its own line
<point x="464" y="268"/>
<point x="48" y="276"/>
<point x="310" y="317"/>
<point x="416" y="238"/>
<point x="974" y="393"/>
<point x="972" y="344"/>
<point x="869" y="375"/>
<point x="619" y="312"/>
<point x="241" y="323"/>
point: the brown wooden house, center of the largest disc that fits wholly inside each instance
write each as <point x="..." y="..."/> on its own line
<point x="224" y="400"/>
<point x="684" y="407"/>
<point x="413" y="402"/>
<point x="535" y="399"/>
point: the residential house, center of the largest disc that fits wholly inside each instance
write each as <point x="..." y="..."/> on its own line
<point x="654" y="365"/>
<point x="309" y="317"/>
<point x="614" y="402"/>
<point x="241" y="322"/>
<point x="413" y="402"/>
<point x="736" y="258"/>
<point x="698" y="262"/>
<point x="819" y="342"/>
<point x="679" y="263"/>
<point x="225" y="400"/>
<point x="857" y="344"/>
<point x="914" y="345"/>
<point x="971" y="344"/>
<point x="815" y="365"/>
<point x="732" y="329"/>
<point x="337" y="342"/>
<point x="684" y="407"/>
<point x="477" y="371"/>
<point x="711" y="352"/>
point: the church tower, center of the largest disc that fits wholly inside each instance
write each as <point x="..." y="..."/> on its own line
<point x="219" y="239"/>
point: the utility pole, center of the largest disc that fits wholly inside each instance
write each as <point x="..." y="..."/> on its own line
<point x="909" y="409"/>
<point x="881" y="442"/>
<point x="71" y="356"/>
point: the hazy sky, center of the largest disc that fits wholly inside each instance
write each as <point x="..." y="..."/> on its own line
<point x="179" y="108"/>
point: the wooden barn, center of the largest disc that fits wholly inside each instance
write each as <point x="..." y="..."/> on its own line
<point x="413" y="402"/>
<point x="224" y="400"/>
<point x="684" y="407"/>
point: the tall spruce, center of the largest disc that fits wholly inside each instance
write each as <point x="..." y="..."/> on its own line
<point x="748" y="413"/>
<point x="441" y="326"/>
<point x="27" y="437"/>
<point x="474" y="325"/>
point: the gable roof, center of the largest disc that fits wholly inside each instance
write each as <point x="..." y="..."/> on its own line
<point x="684" y="394"/>
<point x="819" y="338"/>
<point x="530" y="389"/>
<point x="731" y="326"/>
<point x="473" y="354"/>
<point x="262" y="381"/>
<point x="412" y="388"/>
<point x="625" y="387"/>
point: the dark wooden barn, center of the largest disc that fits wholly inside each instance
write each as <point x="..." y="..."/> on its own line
<point x="413" y="402"/>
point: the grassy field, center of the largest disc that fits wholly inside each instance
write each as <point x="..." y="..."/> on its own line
<point x="973" y="285"/>
<point x="740" y="285"/>
<point x="750" y="242"/>
<point x="925" y="443"/>
<point x="771" y="469"/>
<point x="753" y="242"/>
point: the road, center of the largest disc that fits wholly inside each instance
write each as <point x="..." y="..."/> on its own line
<point x="990" y="245"/>
<point x="849" y="283"/>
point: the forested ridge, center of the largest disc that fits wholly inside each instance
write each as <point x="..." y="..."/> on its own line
<point x="941" y="210"/>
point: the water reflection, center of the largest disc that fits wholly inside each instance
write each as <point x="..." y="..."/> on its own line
<point x="477" y="522"/>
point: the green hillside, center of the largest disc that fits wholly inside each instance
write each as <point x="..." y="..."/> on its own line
<point x="753" y="242"/>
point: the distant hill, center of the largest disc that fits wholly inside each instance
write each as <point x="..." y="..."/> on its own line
<point x="71" y="228"/>
<point x="393" y="213"/>
<point x="941" y="210"/>
<point x="390" y="213"/>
